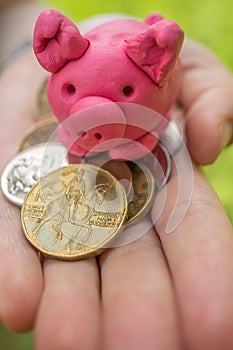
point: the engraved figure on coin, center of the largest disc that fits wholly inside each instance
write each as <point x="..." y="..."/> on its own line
<point x="56" y="206"/>
<point x="24" y="175"/>
<point x="75" y="222"/>
<point x="69" y="209"/>
<point x="83" y="202"/>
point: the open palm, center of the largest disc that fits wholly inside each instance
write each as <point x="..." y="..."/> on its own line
<point x="159" y="292"/>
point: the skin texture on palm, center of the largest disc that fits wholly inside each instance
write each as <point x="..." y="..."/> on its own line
<point x="165" y="291"/>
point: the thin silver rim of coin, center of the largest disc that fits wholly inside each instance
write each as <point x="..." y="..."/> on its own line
<point x="172" y="137"/>
<point x="167" y="174"/>
<point x="28" y="166"/>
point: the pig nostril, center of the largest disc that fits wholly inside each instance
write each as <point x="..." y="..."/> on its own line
<point x="128" y="91"/>
<point x="68" y="90"/>
<point x="98" y="136"/>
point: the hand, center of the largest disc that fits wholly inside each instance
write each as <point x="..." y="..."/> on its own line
<point x="160" y="292"/>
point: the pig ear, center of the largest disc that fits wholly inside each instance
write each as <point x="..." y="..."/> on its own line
<point x="153" y="18"/>
<point x="156" y="49"/>
<point x="57" y="40"/>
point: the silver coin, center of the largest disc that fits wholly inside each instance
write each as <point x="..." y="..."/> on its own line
<point x="172" y="137"/>
<point x="159" y="163"/>
<point x="25" y="169"/>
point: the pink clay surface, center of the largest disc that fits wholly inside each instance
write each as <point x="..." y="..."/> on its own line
<point x="122" y="61"/>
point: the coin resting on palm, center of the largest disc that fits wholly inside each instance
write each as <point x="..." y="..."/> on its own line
<point x="74" y="212"/>
<point x="120" y="170"/>
<point x="143" y="192"/>
<point x="42" y="107"/>
<point x="41" y="132"/>
<point x="28" y="166"/>
<point x="137" y="180"/>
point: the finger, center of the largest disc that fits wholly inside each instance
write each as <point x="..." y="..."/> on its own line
<point x="199" y="253"/>
<point x="21" y="279"/>
<point x="138" y="304"/>
<point x="18" y="87"/>
<point x="69" y="314"/>
<point x="207" y="96"/>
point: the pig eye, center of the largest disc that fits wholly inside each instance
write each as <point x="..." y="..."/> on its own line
<point x="68" y="90"/>
<point x="128" y="90"/>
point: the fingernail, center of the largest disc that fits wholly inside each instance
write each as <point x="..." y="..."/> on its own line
<point x="226" y="134"/>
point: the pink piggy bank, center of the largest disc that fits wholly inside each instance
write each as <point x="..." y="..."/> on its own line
<point x="108" y="88"/>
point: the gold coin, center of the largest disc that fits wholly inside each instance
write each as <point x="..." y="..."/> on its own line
<point x="143" y="192"/>
<point x="120" y="170"/>
<point x="42" y="107"/>
<point x="74" y="212"/>
<point x="40" y="132"/>
<point x="139" y="184"/>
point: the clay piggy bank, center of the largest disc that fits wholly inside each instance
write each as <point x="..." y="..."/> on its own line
<point x="100" y="81"/>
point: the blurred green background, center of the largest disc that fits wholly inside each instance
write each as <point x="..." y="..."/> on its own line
<point x="209" y="21"/>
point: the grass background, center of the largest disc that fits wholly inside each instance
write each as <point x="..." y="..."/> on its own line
<point x="209" y="21"/>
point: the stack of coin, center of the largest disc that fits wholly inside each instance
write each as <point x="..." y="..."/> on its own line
<point x="42" y="107"/>
<point x="41" y="132"/>
<point x="75" y="211"/>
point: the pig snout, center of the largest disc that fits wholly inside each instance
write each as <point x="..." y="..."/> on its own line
<point x="94" y="124"/>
